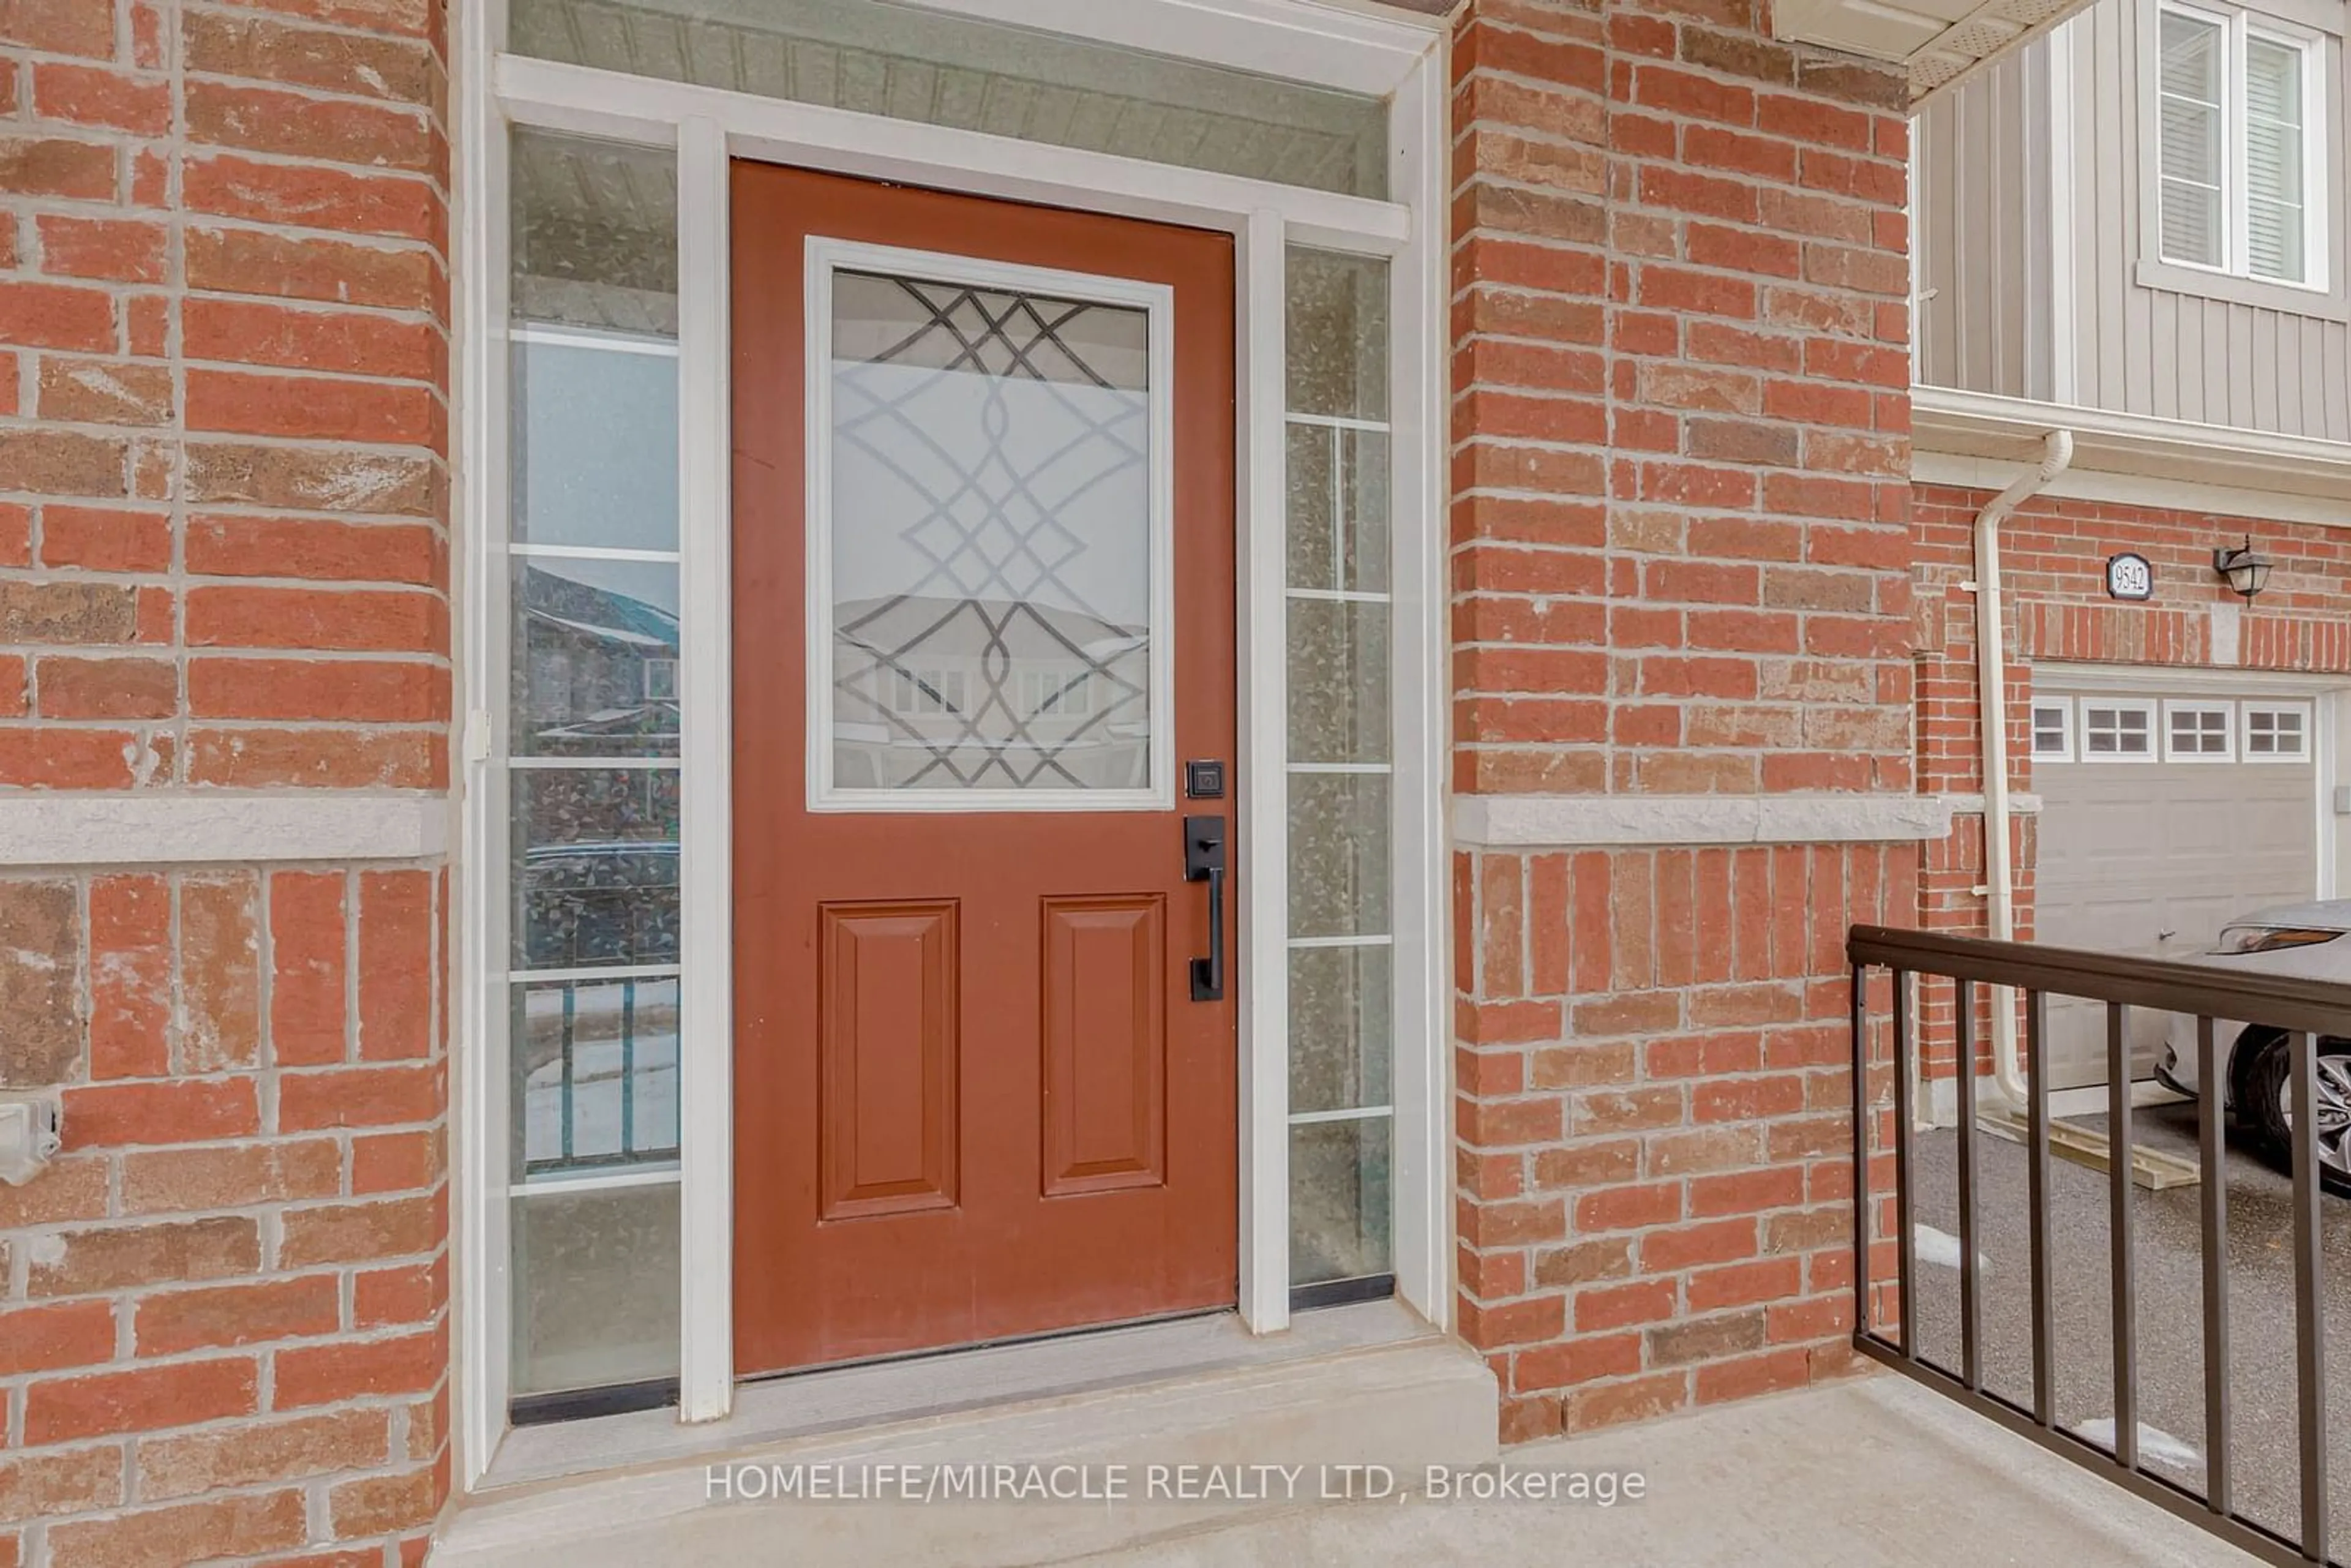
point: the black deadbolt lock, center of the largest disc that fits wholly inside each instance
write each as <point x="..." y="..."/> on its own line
<point x="1204" y="780"/>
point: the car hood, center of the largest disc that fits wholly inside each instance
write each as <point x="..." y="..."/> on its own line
<point x="2325" y="913"/>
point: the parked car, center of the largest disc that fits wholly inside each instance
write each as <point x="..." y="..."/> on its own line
<point x="2310" y="941"/>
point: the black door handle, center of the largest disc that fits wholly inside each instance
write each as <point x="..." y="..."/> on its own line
<point x="1204" y="861"/>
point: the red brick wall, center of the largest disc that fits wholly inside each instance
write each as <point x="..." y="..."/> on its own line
<point x="2054" y="552"/>
<point x="224" y="562"/>
<point x="1680" y="566"/>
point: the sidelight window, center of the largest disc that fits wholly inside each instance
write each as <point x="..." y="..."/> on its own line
<point x="1340" y="614"/>
<point x="587" y="760"/>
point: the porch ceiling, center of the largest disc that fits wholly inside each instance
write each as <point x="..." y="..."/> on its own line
<point x="1943" y="42"/>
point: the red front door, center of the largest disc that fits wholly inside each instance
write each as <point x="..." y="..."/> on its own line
<point x="974" y="1096"/>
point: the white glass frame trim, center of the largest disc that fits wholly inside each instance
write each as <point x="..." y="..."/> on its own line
<point x="1401" y="58"/>
<point x="2062" y="707"/>
<point x="2317" y="131"/>
<point x="2084" y="728"/>
<point x="2225" y="711"/>
<point x="826" y="258"/>
<point x="2305" y="744"/>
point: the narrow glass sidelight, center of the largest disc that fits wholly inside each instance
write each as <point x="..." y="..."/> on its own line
<point x="989" y="555"/>
<point x="590" y="766"/>
<point x="1340" y="614"/>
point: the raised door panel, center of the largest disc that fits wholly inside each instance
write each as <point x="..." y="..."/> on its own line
<point x="888" y="1032"/>
<point x="1105" y="1045"/>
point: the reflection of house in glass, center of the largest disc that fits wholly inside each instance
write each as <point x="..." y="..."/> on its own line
<point x="597" y="671"/>
<point x="987" y="694"/>
<point x="595" y="678"/>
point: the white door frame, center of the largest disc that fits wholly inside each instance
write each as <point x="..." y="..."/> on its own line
<point x="1401" y="58"/>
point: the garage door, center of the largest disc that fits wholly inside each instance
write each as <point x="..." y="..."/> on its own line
<point x="2162" y="819"/>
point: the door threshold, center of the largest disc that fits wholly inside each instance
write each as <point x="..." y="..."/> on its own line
<point x="946" y="1352"/>
<point x="913" y="1388"/>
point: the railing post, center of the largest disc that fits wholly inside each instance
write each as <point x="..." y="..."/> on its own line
<point x="1905" y="1240"/>
<point x="2123" y="1284"/>
<point x="570" y="1007"/>
<point x="2211" y="1149"/>
<point x="628" y="1067"/>
<point x="2309" y="1302"/>
<point x="1970" y="1309"/>
<point x="1861" y="1317"/>
<point x="2037" y="1166"/>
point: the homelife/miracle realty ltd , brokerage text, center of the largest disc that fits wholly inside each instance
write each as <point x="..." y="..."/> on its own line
<point x="976" y="1482"/>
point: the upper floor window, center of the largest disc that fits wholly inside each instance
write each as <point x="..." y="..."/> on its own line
<point x="2242" y="122"/>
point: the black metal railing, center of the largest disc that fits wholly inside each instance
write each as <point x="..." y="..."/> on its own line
<point x="2304" y="1010"/>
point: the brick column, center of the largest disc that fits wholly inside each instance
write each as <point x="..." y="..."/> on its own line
<point x="224" y="566"/>
<point x="1679" y="569"/>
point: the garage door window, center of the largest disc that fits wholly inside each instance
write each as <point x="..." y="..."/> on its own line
<point x="2117" y="731"/>
<point x="2199" y="732"/>
<point x="2053" y="732"/>
<point x="2277" y="732"/>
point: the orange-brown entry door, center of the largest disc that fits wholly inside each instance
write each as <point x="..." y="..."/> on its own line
<point x="983" y="615"/>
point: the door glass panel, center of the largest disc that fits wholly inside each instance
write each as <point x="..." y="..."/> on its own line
<point x="1340" y="1202"/>
<point x="595" y="658"/>
<point x="595" y="854"/>
<point x="595" y="439"/>
<point x="992" y="548"/>
<point x="1341" y="1026"/>
<point x="595" y="1074"/>
<point x="596" y="1296"/>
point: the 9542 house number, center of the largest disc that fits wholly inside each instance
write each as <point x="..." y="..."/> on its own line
<point x="2129" y="576"/>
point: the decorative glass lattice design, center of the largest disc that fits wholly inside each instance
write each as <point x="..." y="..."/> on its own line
<point x="990" y="539"/>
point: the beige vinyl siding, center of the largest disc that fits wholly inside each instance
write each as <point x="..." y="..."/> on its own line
<point x="2171" y="352"/>
<point x="1980" y="209"/>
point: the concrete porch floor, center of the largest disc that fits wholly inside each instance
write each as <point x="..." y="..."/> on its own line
<point x="1870" y="1471"/>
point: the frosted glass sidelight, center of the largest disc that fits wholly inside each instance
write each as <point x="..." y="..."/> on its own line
<point x="594" y="670"/>
<point x="1341" y="1205"/>
<point x="595" y="853"/>
<point x="595" y="1074"/>
<point x="596" y="1292"/>
<point x="1340" y="663"/>
<point x="1341" y="1026"/>
<point x="587" y="766"/>
<point x="1337" y="335"/>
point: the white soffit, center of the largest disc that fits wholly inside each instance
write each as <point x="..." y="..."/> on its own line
<point x="1942" y="42"/>
<point x="2010" y="430"/>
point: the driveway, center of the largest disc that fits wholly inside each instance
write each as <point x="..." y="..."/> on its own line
<point x="2263" y="1441"/>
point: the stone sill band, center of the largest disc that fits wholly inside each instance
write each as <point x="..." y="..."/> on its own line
<point x="1566" y="821"/>
<point x="40" y="828"/>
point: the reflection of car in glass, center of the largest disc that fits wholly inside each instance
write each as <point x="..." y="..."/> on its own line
<point x="589" y="903"/>
<point x="2308" y="941"/>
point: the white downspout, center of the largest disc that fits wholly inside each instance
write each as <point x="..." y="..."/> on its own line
<point x="1991" y="707"/>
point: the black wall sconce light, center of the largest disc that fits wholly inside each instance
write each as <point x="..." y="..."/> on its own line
<point x="2246" y="569"/>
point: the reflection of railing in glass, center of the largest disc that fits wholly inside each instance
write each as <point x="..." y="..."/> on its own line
<point x="596" y="1062"/>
